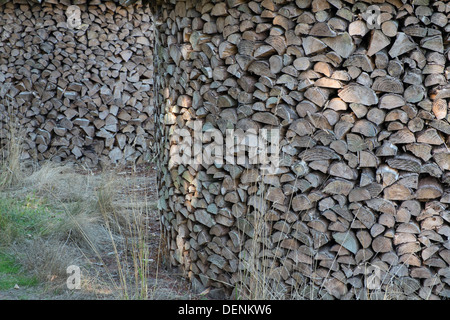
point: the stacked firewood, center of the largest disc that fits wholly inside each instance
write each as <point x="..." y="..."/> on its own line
<point x="359" y="91"/>
<point x="77" y="79"/>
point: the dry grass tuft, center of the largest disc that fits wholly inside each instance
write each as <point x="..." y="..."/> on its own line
<point x="11" y="171"/>
<point x="46" y="259"/>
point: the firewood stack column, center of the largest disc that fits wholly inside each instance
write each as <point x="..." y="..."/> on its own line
<point x="359" y="91"/>
<point x="77" y="77"/>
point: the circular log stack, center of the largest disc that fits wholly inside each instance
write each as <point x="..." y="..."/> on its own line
<point x="359" y="90"/>
<point x="80" y="90"/>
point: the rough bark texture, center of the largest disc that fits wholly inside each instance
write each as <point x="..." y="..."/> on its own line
<point x="361" y="102"/>
<point x="79" y="90"/>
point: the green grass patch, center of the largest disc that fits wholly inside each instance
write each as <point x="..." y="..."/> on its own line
<point x="11" y="274"/>
<point x="25" y="218"/>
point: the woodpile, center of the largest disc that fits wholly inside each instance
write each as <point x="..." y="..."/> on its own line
<point x="360" y="93"/>
<point x="78" y="79"/>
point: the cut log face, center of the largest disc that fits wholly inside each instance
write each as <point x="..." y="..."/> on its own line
<point x="361" y="102"/>
<point x="358" y="94"/>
